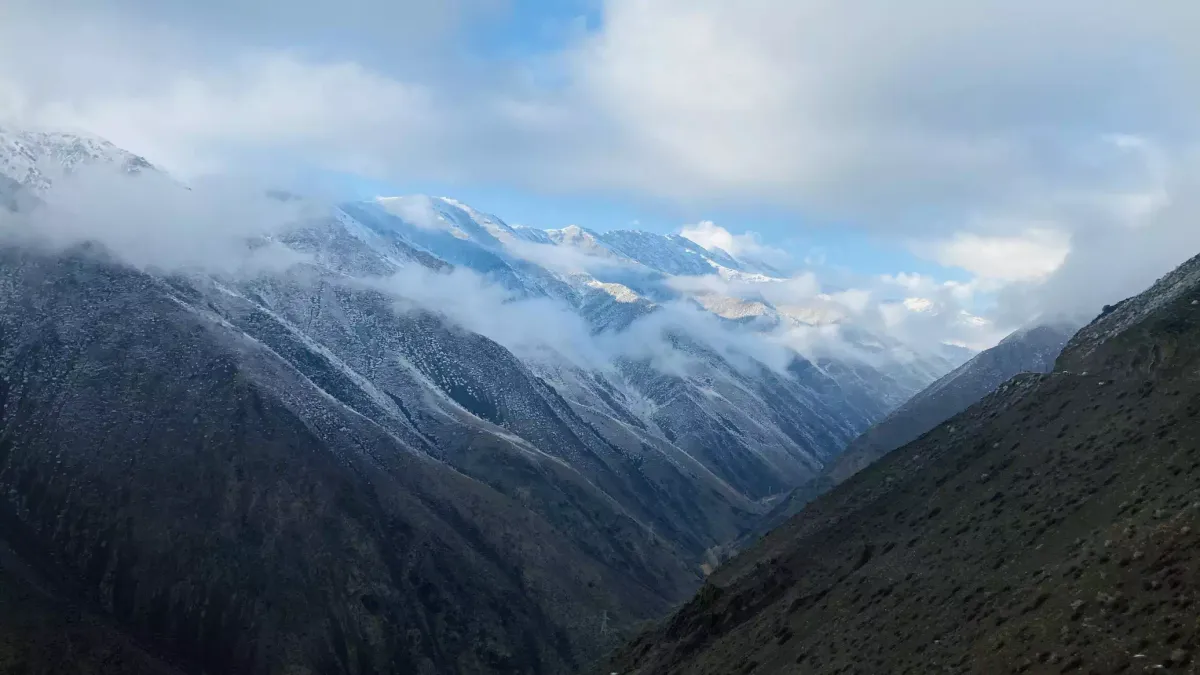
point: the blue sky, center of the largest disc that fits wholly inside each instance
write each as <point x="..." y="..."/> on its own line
<point x="995" y="144"/>
<point x="529" y="28"/>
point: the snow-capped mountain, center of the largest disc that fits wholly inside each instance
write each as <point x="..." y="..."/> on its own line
<point x="477" y="402"/>
<point x="778" y="423"/>
<point x="35" y="158"/>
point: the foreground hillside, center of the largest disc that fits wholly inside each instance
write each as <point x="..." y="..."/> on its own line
<point x="1051" y="528"/>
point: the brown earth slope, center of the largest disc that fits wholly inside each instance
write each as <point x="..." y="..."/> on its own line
<point x="1054" y="527"/>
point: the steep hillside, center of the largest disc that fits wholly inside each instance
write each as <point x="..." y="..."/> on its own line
<point x="220" y="504"/>
<point x="320" y="462"/>
<point x="1050" y="528"/>
<point x="1030" y="350"/>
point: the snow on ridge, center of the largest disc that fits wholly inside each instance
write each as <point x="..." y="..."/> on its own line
<point x="420" y="211"/>
<point x="730" y="307"/>
<point x="493" y="225"/>
<point x="730" y="274"/>
<point x="35" y="158"/>
<point x="619" y="292"/>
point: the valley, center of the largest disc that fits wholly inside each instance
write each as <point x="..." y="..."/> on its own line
<point x="330" y="465"/>
<point x="1049" y="528"/>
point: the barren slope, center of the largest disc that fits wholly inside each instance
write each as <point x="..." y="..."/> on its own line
<point x="1052" y="527"/>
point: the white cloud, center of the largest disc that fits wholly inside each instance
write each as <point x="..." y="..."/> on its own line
<point x="842" y="107"/>
<point x="415" y="209"/>
<point x="924" y="285"/>
<point x="964" y="124"/>
<point x="777" y="291"/>
<point x="877" y="104"/>
<point x="268" y="103"/>
<point x="1027" y="255"/>
<point x="915" y="304"/>
<point x="856" y="300"/>
<point x="1116" y="262"/>
<point x="908" y="280"/>
<point x="743" y="246"/>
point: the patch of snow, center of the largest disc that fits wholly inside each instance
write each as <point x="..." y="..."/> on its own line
<point x="619" y="292"/>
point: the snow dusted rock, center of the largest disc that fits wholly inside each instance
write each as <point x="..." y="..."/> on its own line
<point x="318" y="466"/>
<point x="34" y="159"/>
<point x="1171" y="300"/>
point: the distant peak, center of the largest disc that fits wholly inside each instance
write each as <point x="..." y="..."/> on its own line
<point x="34" y="158"/>
<point x="572" y="233"/>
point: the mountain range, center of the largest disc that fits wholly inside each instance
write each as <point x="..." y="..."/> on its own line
<point x="1050" y="527"/>
<point x="1029" y="350"/>
<point x="395" y="435"/>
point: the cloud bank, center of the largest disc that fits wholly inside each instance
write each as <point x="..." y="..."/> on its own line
<point x="151" y="221"/>
<point x="233" y="230"/>
<point x="1005" y="137"/>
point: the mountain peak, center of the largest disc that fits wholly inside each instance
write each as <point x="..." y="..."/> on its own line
<point x="34" y="159"/>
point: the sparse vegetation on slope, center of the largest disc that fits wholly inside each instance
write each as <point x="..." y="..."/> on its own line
<point x="1054" y="527"/>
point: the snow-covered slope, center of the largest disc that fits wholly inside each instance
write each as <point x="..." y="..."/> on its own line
<point x="662" y="386"/>
<point x="421" y="344"/>
<point x="34" y="158"/>
<point x="774" y="431"/>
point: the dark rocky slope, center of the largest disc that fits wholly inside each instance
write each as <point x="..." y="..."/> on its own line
<point x="1029" y="350"/>
<point x="1053" y="527"/>
<point x="295" y="461"/>
<point x="205" y="499"/>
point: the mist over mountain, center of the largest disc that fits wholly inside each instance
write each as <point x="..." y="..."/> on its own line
<point x="1050" y="527"/>
<point x="436" y="394"/>
<point x="647" y="337"/>
<point x="1030" y="350"/>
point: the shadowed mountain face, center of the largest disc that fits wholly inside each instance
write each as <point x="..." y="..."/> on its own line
<point x="1050" y="528"/>
<point x="210" y="498"/>
<point x="309" y="469"/>
<point x="1031" y="350"/>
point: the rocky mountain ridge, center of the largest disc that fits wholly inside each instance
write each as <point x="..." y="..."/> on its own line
<point x="1029" y="350"/>
<point x="1049" y="528"/>
<point x="317" y="467"/>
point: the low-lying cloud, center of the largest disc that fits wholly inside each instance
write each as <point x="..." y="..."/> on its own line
<point x="151" y="221"/>
<point x="919" y="121"/>
<point x="231" y="230"/>
<point x="1117" y="262"/>
<point x="746" y="246"/>
<point x="548" y="331"/>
